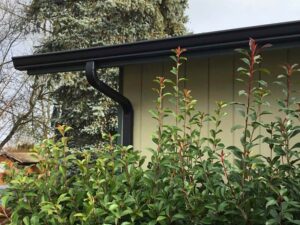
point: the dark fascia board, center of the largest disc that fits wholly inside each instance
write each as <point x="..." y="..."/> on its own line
<point x="279" y="35"/>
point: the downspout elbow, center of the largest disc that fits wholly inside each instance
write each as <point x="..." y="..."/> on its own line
<point x="127" y="109"/>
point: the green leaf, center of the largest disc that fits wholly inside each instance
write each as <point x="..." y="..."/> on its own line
<point x="183" y="58"/>
<point x="34" y="220"/>
<point x="242" y="51"/>
<point x="264" y="70"/>
<point x="279" y="150"/>
<point x="62" y="198"/>
<point x="297" y="145"/>
<point x="178" y="216"/>
<point x="246" y="61"/>
<point x="80" y="215"/>
<point x="161" y="218"/>
<point x="294" y="133"/>
<point x="271" y="202"/>
<point x="236" y="151"/>
<point x="263" y="83"/>
<point x="126" y="223"/>
<point x="271" y="222"/>
<point x="265" y="113"/>
<point x="113" y="207"/>
<point x="154" y="114"/>
<point x="153" y="222"/>
<point x="4" y="201"/>
<point x="242" y="92"/>
<point x="26" y="220"/>
<point x="281" y="76"/>
<point x="174" y="71"/>
<point x="236" y="127"/>
<point x="222" y="206"/>
<point x="240" y="69"/>
<point x="207" y="220"/>
<point x="242" y="112"/>
<point x="239" y="80"/>
<point x="173" y="58"/>
<point x="127" y="212"/>
<point x="211" y="206"/>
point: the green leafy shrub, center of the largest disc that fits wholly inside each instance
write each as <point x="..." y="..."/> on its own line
<point x="192" y="178"/>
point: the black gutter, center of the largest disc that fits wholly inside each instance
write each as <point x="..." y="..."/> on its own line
<point x="117" y="55"/>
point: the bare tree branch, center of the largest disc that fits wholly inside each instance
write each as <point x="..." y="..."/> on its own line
<point x="23" y="100"/>
<point x="23" y="18"/>
<point x="36" y="94"/>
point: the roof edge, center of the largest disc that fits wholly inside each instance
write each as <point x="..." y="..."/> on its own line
<point x="278" y="34"/>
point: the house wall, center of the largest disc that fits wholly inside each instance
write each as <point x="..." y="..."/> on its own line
<point x="210" y="79"/>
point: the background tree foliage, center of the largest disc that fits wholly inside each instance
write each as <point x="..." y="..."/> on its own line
<point x="87" y="23"/>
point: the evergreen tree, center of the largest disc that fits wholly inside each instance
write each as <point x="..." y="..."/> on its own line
<point x="77" y="24"/>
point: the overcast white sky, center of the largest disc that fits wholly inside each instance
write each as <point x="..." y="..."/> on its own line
<point x="212" y="15"/>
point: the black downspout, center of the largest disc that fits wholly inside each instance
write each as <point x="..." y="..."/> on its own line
<point x="127" y="126"/>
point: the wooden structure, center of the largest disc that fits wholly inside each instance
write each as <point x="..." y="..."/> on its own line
<point x="9" y="160"/>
